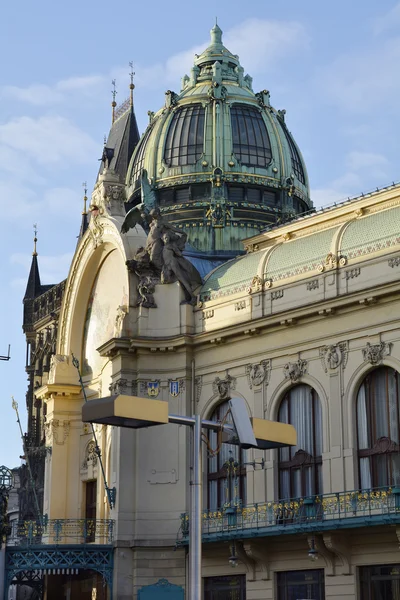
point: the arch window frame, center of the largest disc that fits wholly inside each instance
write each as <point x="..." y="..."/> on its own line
<point x="379" y="453"/>
<point x="217" y="493"/>
<point x="299" y="470"/>
<point x="251" y="143"/>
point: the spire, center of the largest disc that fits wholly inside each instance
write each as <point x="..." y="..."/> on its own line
<point x="33" y="286"/>
<point x="123" y="136"/>
<point x="113" y="103"/>
<point x="132" y="85"/>
<point x="84" y="221"/>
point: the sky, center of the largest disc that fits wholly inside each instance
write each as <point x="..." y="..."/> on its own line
<point x="334" y="67"/>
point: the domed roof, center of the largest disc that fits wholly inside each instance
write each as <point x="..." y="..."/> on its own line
<point x="220" y="159"/>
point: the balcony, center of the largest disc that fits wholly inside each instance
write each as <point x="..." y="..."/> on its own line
<point x="61" y="531"/>
<point x="342" y="510"/>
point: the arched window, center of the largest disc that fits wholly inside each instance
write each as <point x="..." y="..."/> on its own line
<point x="226" y="476"/>
<point x="184" y="144"/>
<point x="378" y="429"/>
<point x="300" y="467"/>
<point x="250" y="139"/>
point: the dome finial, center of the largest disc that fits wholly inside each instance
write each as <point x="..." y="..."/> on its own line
<point x="84" y="185"/>
<point x="34" y="253"/>
<point x="113" y="103"/>
<point x="132" y="85"/>
<point x="216" y="33"/>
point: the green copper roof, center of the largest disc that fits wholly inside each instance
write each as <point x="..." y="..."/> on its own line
<point x="218" y="133"/>
<point x="307" y="255"/>
<point x="371" y="233"/>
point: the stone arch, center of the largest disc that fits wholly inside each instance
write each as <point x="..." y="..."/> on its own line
<point x="90" y="255"/>
<point x="278" y="394"/>
<point x="215" y="400"/>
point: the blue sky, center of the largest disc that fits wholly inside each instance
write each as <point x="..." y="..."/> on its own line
<point x="333" y="66"/>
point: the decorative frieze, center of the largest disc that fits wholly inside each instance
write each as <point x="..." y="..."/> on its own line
<point x="208" y="314"/>
<point x="276" y="294"/>
<point x="240" y="305"/>
<point x="351" y="273"/>
<point x="312" y="285"/>
<point x="295" y="371"/>
<point x="375" y="353"/>
<point x="121" y="386"/>
<point x="57" y="432"/>
<point x="198" y="384"/>
<point x="258" y="373"/>
<point x="223" y="387"/>
<point x="394" y="262"/>
<point x="334" y="355"/>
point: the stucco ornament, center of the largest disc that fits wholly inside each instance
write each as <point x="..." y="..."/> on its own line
<point x="122" y="311"/>
<point x="334" y="355"/>
<point x="58" y="362"/>
<point x="295" y="371"/>
<point x="114" y="200"/>
<point x="258" y="373"/>
<point x="374" y="353"/>
<point x="161" y="260"/>
<point x="223" y="387"/>
<point x="256" y="285"/>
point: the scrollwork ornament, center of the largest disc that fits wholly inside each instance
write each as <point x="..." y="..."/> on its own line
<point x="198" y="383"/>
<point x="375" y="353"/>
<point x="295" y="371"/>
<point x="256" y="285"/>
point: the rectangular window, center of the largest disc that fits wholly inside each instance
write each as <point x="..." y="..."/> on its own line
<point x="380" y="583"/>
<point x="90" y="510"/>
<point x="231" y="587"/>
<point x="301" y="585"/>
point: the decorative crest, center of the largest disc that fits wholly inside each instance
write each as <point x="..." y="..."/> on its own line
<point x="375" y="353"/>
<point x="334" y="355"/>
<point x="295" y="371"/>
<point x="258" y="373"/>
<point x="223" y="387"/>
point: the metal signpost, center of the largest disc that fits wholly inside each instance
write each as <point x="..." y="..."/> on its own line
<point x="136" y="413"/>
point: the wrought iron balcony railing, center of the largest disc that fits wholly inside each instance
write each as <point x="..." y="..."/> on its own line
<point x="61" y="531"/>
<point x="315" y="513"/>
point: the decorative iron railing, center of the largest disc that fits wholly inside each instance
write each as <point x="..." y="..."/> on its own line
<point x="61" y="531"/>
<point x="340" y="510"/>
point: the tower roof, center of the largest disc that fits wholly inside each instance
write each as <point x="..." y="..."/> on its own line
<point x="33" y="287"/>
<point x="122" y="140"/>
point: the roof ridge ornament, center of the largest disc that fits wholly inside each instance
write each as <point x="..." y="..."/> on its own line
<point x="216" y="34"/>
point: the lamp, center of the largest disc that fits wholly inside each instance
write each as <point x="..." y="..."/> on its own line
<point x="313" y="552"/>
<point x="233" y="560"/>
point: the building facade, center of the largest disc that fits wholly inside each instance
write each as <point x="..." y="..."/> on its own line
<point x="297" y="315"/>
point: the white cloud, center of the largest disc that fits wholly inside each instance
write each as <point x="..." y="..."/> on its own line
<point x="18" y="166"/>
<point x="326" y="196"/>
<point x="348" y="82"/>
<point x="48" y="140"/>
<point x="388" y="21"/>
<point x="17" y="201"/>
<point x="366" y="160"/>
<point x="39" y="94"/>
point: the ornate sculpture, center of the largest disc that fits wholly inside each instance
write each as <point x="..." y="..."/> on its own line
<point x="333" y="356"/>
<point x="295" y="371"/>
<point x="258" y="373"/>
<point x="161" y="260"/>
<point x="223" y="387"/>
<point x="374" y="353"/>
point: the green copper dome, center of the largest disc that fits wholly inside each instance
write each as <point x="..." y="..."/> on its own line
<point x="219" y="159"/>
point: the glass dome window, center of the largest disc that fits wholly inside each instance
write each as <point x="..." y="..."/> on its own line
<point x="138" y="162"/>
<point x="251" y="143"/>
<point x="295" y="156"/>
<point x="185" y="138"/>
